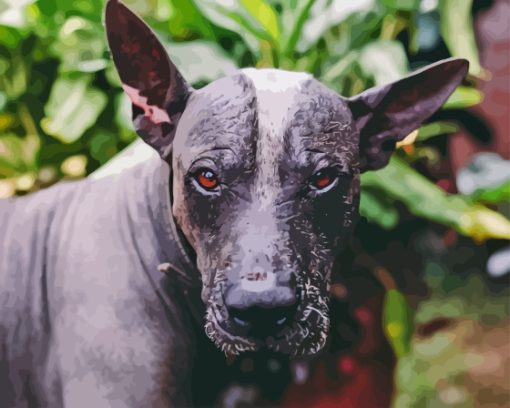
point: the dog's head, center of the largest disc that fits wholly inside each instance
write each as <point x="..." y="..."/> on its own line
<point x="266" y="167"/>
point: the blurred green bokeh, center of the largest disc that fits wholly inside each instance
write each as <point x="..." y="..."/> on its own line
<point x="63" y="113"/>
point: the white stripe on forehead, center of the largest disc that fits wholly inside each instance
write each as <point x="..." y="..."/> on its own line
<point x="275" y="92"/>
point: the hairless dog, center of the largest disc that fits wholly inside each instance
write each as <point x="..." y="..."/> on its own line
<point x="251" y="195"/>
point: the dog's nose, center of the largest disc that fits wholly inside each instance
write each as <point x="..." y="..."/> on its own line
<point x="262" y="322"/>
<point x="261" y="314"/>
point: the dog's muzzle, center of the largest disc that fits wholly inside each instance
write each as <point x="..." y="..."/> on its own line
<point x="258" y="310"/>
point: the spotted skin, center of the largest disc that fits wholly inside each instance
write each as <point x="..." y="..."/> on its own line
<point x="91" y="321"/>
<point x="265" y="134"/>
<point x="266" y="215"/>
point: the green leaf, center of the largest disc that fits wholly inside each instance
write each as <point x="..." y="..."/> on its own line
<point x="103" y="145"/>
<point x="123" y="111"/>
<point x="463" y="97"/>
<point x="340" y="68"/>
<point x="298" y="27"/>
<point x="14" y="13"/>
<point x="408" y="5"/>
<point x="11" y="153"/>
<point x="486" y="178"/>
<point x="494" y="195"/>
<point x="326" y="14"/>
<point x="457" y="32"/>
<point x="142" y="7"/>
<point x="72" y="108"/>
<point x="13" y="75"/>
<point x="247" y="26"/>
<point x="202" y="61"/>
<point x="383" y="60"/>
<point x="11" y="37"/>
<point x="18" y="154"/>
<point x="54" y="11"/>
<point x="435" y="129"/>
<point x="233" y="17"/>
<point x="123" y="118"/>
<point x="265" y="16"/>
<point x="378" y="209"/>
<point x="185" y="16"/>
<point x="3" y="102"/>
<point x="424" y="199"/>
<point x="397" y="322"/>
<point x="80" y="46"/>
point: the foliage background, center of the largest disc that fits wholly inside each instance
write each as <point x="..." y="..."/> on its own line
<point x="63" y="113"/>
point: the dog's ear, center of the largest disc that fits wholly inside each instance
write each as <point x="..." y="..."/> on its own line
<point x="387" y="114"/>
<point x="157" y="90"/>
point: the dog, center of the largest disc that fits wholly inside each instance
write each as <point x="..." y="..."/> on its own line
<point x="253" y="192"/>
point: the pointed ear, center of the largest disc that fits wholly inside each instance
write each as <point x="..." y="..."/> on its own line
<point x="387" y="114"/>
<point x="157" y="90"/>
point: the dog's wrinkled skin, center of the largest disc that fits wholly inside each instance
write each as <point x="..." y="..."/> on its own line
<point x="265" y="240"/>
<point x="266" y="133"/>
<point x="88" y="320"/>
<point x="266" y="216"/>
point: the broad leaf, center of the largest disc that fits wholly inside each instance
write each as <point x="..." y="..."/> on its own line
<point x="325" y="14"/>
<point x="18" y="154"/>
<point x="397" y="322"/>
<point x="424" y="199"/>
<point x="13" y="75"/>
<point x="376" y="208"/>
<point x="73" y="107"/>
<point x="13" y="13"/>
<point x="457" y="32"/>
<point x="435" y="129"/>
<point x="201" y="61"/>
<point x="103" y="145"/>
<point x="80" y="46"/>
<point x="408" y="5"/>
<point x="262" y="12"/>
<point x="486" y="178"/>
<point x="383" y="60"/>
<point x="185" y="16"/>
<point x="233" y="17"/>
<point x="296" y="21"/>
<point x="463" y="97"/>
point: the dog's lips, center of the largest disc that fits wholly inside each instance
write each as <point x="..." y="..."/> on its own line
<point x="261" y="323"/>
<point x="305" y="333"/>
<point x="294" y="339"/>
<point x="232" y="332"/>
<point x="227" y="339"/>
<point x="243" y="332"/>
<point x="256" y="342"/>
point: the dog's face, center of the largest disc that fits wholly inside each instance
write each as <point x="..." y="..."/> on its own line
<point x="266" y="180"/>
<point x="266" y="167"/>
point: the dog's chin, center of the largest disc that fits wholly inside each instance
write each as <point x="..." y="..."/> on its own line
<point x="305" y="336"/>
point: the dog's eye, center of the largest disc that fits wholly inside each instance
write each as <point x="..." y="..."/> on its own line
<point x="207" y="179"/>
<point x="323" y="179"/>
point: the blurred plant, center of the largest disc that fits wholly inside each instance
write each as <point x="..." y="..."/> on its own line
<point x="63" y="113"/>
<point x="60" y="96"/>
<point x="459" y="354"/>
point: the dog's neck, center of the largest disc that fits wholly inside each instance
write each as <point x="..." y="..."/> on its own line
<point x="192" y="277"/>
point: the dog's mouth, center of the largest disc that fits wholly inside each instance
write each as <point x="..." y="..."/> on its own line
<point x="261" y="322"/>
<point x="297" y="330"/>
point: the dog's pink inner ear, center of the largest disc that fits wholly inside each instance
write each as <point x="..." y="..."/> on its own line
<point x="157" y="90"/>
<point x="157" y="114"/>
<point x="387" y="114"/>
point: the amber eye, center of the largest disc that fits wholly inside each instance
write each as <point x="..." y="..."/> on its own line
<point x="207" y="179"/>
<point x="323" y="178"/>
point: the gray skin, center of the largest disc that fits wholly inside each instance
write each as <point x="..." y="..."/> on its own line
<point x="265" y="237"/>
<point x="266" y="215"/>
<point x="90" y="321"/>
